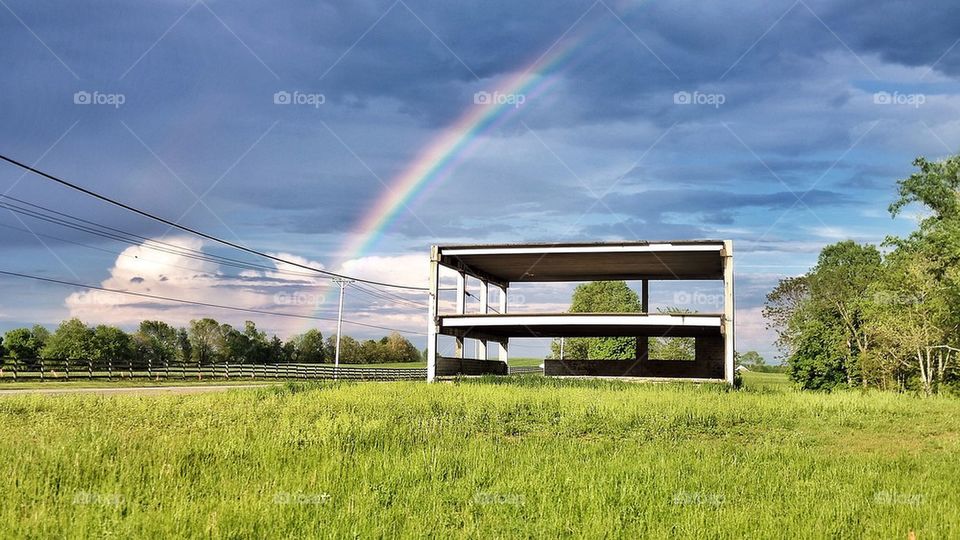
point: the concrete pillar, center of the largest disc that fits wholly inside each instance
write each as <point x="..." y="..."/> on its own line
<point x="728" y="311"/>
<point x="643" y="342"/>
<point x="503" y="311"/>
<point x="461" y="307"/>
<point x="432" y="305"/>
<point x="484" y="294"/>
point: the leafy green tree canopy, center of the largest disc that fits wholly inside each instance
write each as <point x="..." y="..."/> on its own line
<point x="26" y="343"/>
<point x="601" y="297"/>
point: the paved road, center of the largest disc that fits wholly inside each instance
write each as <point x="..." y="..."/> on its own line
<point x="135" y="390"/>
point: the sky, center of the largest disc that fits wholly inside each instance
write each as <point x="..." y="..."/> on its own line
<point x="353" y="135"/>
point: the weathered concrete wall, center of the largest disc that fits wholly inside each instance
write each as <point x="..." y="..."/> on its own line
<point x="709" y="352"/>
<point x="450" y="367"/>
<point x="710" y="355"/>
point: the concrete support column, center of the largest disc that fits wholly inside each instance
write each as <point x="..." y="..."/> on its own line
<point x="503" y="356"/>
<point x="484" y="294"/>
<point x="461" y="307"/>
<point x="432" y="305"/>
<point x="643" y="342"/>
<point x="728" y="312"/>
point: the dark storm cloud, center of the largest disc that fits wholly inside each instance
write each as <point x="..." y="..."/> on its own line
<point x="908" y="33"/>
<point x="709" y="202"/>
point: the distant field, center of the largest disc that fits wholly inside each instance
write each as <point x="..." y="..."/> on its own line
<point x="771" y="381"/>
<point x="521" y="456"/>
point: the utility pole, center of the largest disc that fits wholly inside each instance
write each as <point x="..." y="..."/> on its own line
<point x="561" y="348"/>
<point x="336" y="359"/>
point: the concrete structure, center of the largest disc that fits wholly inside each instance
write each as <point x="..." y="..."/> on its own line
<point x="500" y="265"/>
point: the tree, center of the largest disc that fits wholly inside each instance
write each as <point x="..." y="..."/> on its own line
<point x="888" y="321"/>
<point x="601" y="297"/>
<point x="752" y="359"/>
<point x="72" y="340"/>
<point x="308" y="347"/>
<point x="672" y="348"/>
<point x="819" y="317"/>
<point x="157" y="341"/>
<point x="816" y="362"/>
<point x="350" y="350"/>
<point x="912" y="319"/>
<point x="231" y="344"/>
<point x="281" y="352"/>
<point x="258" y="348"/>
<point x="204" y="335"/>
<point x="843" y="272"/>
<point x="26" y="343"/>
<point x="399" y="349"/>
<point x="183" y="345"/>
<point x="373" y="352"/>
<point x="110" y="343"/>
<point x="782" y="310"/>
<point x="935" y="186"/>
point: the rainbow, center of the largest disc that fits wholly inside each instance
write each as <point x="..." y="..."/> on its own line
<point x="445" y="152"/>
<point x="437" y="161"/>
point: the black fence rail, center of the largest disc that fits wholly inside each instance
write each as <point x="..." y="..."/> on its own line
<point x="64" y="370"/>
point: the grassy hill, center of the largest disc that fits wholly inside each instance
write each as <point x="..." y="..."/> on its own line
<point x="524" y="456"/>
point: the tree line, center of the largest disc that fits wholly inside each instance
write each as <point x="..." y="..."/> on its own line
<point x="204" y="341"/>
<point x="881" y="316"/>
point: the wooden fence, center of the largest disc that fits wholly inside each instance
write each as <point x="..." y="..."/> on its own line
<point x="62" y="370"/>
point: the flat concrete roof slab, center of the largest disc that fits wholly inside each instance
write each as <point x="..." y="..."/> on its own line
<point x="654" y="260"/>
<point x="494" y="327"/>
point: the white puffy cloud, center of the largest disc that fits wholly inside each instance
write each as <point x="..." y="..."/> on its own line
<point x="286" y="288"/>
<point x="173" y="274"/>
<point x="411" y="269"/>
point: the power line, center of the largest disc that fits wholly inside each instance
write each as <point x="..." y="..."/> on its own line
<point x="114" y="233"/>
<point x="193" y="231"/>
<point x="369" y="292"/>
<point x="96" y="248"/>
<point x="175" y="249"/>
<point x="491" y="308"/>
<point x="197" y="303"/>
<point x="144" y="242"/>
<point x="383" y="295"/>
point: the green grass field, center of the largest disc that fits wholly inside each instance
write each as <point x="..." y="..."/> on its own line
<point x="524" y="456"/>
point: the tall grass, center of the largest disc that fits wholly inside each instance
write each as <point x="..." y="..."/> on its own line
<point x="521" y="457"/>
